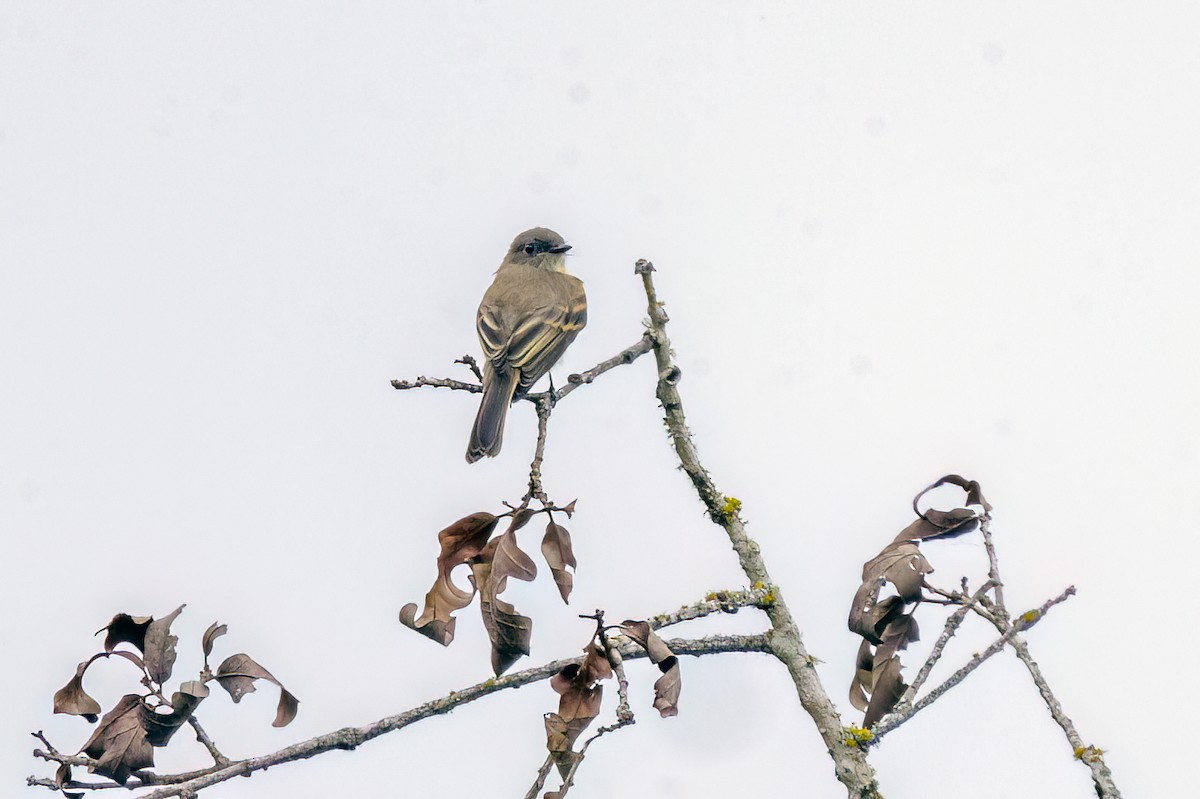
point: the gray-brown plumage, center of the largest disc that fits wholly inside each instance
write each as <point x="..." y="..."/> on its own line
<point x="529" y="316"/>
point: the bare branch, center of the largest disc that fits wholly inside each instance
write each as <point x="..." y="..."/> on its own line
<point x="627" y="355"/>
<point x="207" y="742"/>
<point x="437" y="382"/>
<point x="1089" y="755"/>
<point x="536" y="491"/>
<point x="352" y="737"/>
<point x="985" y="525"/>
<point x="851" y="766"/>
<point x="1023" y="622"/>
<point x="469" y="362"/>
<point x="540" y="781"/>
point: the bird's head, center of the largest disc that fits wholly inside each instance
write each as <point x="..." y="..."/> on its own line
<point x="539" y="247"/>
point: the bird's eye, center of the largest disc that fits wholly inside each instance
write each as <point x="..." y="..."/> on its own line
<point x="530" y="249"/>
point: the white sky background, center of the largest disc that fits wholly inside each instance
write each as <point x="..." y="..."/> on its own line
<point x="895" y="240"/>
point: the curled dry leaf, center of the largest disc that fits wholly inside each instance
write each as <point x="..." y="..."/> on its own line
<point x="159" y="649"/>
<point x="440" y="631"/>
<point x="62" y="775"/>
<point x="578" y="704"/>
<point x="509" y="631"/>
<point x="161" y="726"/>
<point x="126" y="629"/>
<point x="237" y="674"/>
<point x="885" y="627"/>
<point x="214" y="631"/>
<point x="901" y="564"/>
<point x="119" y="744"/>
<point x="459" y="543"/>
<point x="886" y="689"/>
<point x="667" y="687"/>
<point x="940" y="524"/>
<point x="556" y="549"/>
<point x="73" y="700"/>
<point x="972" y="487"/>
<point x="860" y="686"/>
<point x="520" y="518"/>
<point x="560" y="739"/>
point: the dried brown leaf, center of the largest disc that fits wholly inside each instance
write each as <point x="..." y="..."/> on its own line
<point x="214" y="631"/>
<point x="886" y="691"/>
<point x="666" y="687"/>
<point x="972" y="487"/>
<point x="640" y="632"/>
<point x="560" y="738"/>
<point x="440" y="631"/>
<point x="73" y="700"/>
<point x="161" y="726"/>
<point x="509" y="560"/>
<point x="125" y="629"/>
<point x="902" y="564"/>
<point x="510" y="632"/>
<point x="900" y="631"/>
<point x="159" y="650"/>
<point x="119" y="744"/>
<point x="459" y="543"/>
<point x="860" y="686"/>
<point x="520" y="518"/>
<point x="556" y="549"/>
<point x="871" y="620"/>
<point x="62" y="775"/>
<point x="237" y="674"/>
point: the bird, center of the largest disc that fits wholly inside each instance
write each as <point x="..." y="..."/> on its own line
<point x="528" y="317"/>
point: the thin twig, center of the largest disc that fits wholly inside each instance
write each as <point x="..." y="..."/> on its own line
<point x="470" y="363"/>
<point x="985" y="525"/>
<point x="1090" y="756"/>
<point x="536" y="491"/>
<point x="540" y="781"/>
<point x="207" y="742"/>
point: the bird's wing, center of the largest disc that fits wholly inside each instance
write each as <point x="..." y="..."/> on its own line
<point x="540" y="340"/>
<point x="493" y="335"/>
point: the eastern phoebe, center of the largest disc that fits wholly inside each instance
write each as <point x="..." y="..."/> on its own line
<point x="529" y="315"/>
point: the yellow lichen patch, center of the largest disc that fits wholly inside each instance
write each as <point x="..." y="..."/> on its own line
<point x="856" y="736"/>
<point x="1088" y="754"/>
<point x="731" y="507"/>
<point x="768" y="599"/>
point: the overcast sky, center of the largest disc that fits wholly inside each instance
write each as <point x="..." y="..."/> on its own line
<point x="895" y="241"/>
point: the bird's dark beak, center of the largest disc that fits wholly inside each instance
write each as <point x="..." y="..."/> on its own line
<point x="560" y="248"/>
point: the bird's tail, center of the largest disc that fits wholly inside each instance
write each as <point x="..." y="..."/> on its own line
<point x="488" y="431"/>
